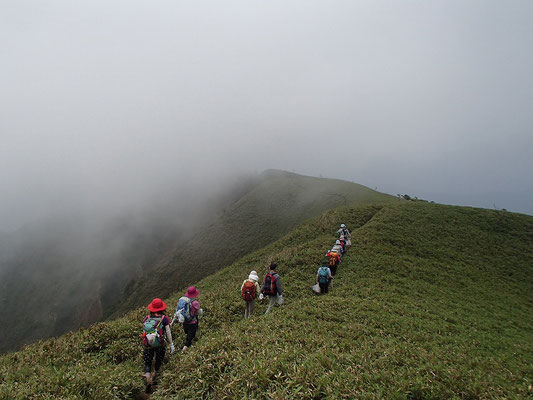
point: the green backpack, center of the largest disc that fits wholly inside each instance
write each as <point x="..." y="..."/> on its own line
<point x="153" y="333"/>
<point x="323" y="275"/>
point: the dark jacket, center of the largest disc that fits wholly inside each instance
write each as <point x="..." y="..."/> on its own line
<point x="277" y="280"/>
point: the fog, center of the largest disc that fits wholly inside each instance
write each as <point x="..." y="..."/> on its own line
<point x="118" y="107"/>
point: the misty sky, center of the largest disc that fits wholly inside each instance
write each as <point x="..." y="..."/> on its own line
<point x="110" y="105"/>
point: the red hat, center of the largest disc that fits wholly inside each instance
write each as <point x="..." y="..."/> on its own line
<point x="192" y="292"/>
<point x="157" y="305"/>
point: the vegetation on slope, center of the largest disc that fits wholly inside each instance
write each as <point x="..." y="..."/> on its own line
<point x="65" y="277"/>
<point x="276" y="204"/>
<point x="430" y="302"/>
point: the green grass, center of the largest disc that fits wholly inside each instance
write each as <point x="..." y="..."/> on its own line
<point x="66" y="271"/>
<point x="276" y="204"/>
<point x="431" y="302"/>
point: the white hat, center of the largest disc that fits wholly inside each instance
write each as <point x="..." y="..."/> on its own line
<point x="337" y="242"/>
<point x="253" y="276"/>
<point x="343" y="226"/>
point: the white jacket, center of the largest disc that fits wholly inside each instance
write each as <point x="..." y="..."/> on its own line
<point x="337" y="249"/>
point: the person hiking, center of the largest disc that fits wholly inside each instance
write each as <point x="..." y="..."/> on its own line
<point x="323" y="278"/>
<point x="337" y="248"/>
<point x="333" y="260"/>
<point x="272" y="287"/>
<point x="344" y="232"/>
<point x="250" y="289"/>
<point x="343" y="245"/>
<point x="187" y="312"/>
<point x="156" y="325"/>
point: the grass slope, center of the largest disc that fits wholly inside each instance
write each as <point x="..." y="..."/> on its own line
<point x="278" y="202"/>
<point x="431" y="302"/>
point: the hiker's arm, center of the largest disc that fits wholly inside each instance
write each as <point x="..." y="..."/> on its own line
<point x="278" y="286"/>
<point x="257" y="287"/>
<point x="195" y="309"/>
<point x="169" y="334"/>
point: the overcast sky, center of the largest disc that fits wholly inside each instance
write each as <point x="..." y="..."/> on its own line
<point x="107" y="104"/>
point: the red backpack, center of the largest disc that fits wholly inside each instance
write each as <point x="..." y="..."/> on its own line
<point x="248" y="292"/>
<point x="269" y="285"/>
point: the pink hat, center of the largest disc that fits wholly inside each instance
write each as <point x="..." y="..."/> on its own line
<point x="157" y="305"/>
<point x="192" y="292"/>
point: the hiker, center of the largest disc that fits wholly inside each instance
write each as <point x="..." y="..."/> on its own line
<point x="323" y="278"/>
<point x="344" y="232"/>
<point x="187" y="312"/>
<point x="155" y="326"/>
<point x="249" y="291"/>
<point x="337" y="248"/>
<point x="334" y="261"/>
<point x="343" y="245"/>
<point x="272" y="287"/>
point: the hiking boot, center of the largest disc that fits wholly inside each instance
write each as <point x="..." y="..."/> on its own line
<point x="184" y="348"/>
<point x="148" y="377"/>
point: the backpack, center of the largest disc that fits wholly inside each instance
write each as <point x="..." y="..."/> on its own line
<point x="152" y="332"/>
<point x="248" y="292"/>
<point x="345" y="233"/>
<point x="269" y="285"/>
<point x="323" y="275"/>
<point x="183" y="310"/>
<point x="333" y="259"/>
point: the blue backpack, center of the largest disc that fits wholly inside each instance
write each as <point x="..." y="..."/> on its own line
<point x="183" y="310"/>
<point x="323" y="275"/>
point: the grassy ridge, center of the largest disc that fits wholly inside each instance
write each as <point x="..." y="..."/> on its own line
<point x="431" y="302"/>
<point x="276" y="204"/>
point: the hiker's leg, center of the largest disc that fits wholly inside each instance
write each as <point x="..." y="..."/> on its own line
<point x="251" y="308"/>
<point x="247" y="310"/>
<point x="159" y="357"/>
<point x="148" y="356"/>
<point x="326" y="287"/>
<point x="272" y="301"/>
<point x="191" y="333"/>
<point x="322" y="288"/>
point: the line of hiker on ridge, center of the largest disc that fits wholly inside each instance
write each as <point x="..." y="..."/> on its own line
<point x="328" y="269"/>
<point x="272" y="288"/>
<point x="157" y="325"/>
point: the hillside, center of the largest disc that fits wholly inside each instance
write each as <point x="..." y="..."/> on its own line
<point x="277" y="203"/>
<point x="431" y="302"/>
<point x="70" y="270"/>
<point x="66" y="277"/>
